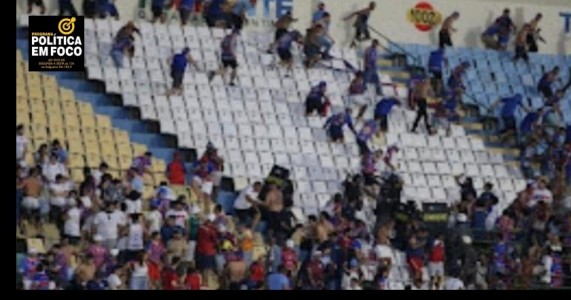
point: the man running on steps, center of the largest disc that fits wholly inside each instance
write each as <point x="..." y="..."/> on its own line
<point x="178" y="67"/>
<point x="284" y="45"/>
<point x="314" y="102"/>
<point x="420" y="97"/>
<point x="282" y="26"/>
<point x="544" y="84"/>
<point x="356" y="90"/>
<point x="370" y="62"/>
<point x="229" y="47"/>
<point x="435" y="61"/>
<point x="370" y="128"/>
<point x="361" y="24"/>
<point x="521" y="44"/>
<point x="444" y="36"/>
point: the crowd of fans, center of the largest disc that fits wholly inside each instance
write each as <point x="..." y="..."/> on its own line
<point x="101" y="234"/>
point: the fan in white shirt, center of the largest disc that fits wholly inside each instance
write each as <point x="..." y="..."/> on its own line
<point x="248" y="196"/>
<point x="107" y="224"/>
<point x="453" y="284"/>
<point x="71" y="226"/>
<point x="53" y="168"/>
<point x="180" y="215"/>
<point x="21" y="145"/>
<point x="154" y="219"/>
<point x="58" y="191"/>
<point x="98" y="173"/>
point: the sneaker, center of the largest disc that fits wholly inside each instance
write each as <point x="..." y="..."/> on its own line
<point x="210" y="75"/>
<point x="232" y="84"/>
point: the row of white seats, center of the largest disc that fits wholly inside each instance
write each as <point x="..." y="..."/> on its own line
<point x="429" y="156"/>
<point x="435" y="142"/>
<point x="505" y="184"/>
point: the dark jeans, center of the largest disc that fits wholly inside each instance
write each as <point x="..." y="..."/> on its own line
<point x="421" y="114"/>
<point x="67" y="6"/>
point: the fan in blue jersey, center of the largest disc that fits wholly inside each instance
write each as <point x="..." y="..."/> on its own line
<point x="382" y="111"/>
<point x="507" y="113"/>
<point x="229" y="48"/>
<point x="334" y="125"/>
<point x="314" y="100"/>
<point x="179" y="62"/>
<point x="185" y="9"/>
<point x="490" y="36"/>
<point x="119" y="48"/>
<point x="284" y="44"/>
<point x="370" y="63"/>
<point x="370" y="128"/>
<point x="544" y="84"/>
<point x="435" y="63"/>
<point x="238" y="13"/>
<point x="158" y="10"/>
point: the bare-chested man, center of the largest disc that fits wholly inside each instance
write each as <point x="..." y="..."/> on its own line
<point x="32" y="187"/>
<point x="521" y="44"/>
<point x="420" y="95"/>
<point x="235" y="270"/>
<point x="444" y="38"/>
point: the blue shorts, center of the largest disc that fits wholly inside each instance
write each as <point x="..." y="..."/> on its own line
<point x="336" y="133"/>
<point x="205" y="262"/>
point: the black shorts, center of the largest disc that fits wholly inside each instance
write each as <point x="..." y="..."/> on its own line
<point x="205" y="262"/>
<point x="444" y="39"/>
<point x="184" y="13"/>
<point x="284" y="54"/>
<point x="363" y="147"/>
<point x="313" y="104"/>
<point x="369" y="179"/>
<point x="521" y="52"/>
<point x="509" y="124"/>
<point x="546" y="91"/>
<point x="437" y="75"/>
<point x="336" y="133"/>
<point x="383" y="122"/>
<point x="237" y="21"/>
<point x="36" y="2"/>
<point x="232" y="63"/>
<point x="177" y="78"/>
<point x="157" y="11"/>
<point x="279" y="33"/>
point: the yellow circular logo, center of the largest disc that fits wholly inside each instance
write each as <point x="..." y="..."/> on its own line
<point x="66" y="26"/>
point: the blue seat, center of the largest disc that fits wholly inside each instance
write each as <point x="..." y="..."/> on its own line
<point x="226" y="200"/>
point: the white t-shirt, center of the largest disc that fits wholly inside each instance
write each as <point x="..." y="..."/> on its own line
<point x="72" y="224"/>
<point x="346" y="281"/>
<point x="453" y="284"/>
<point x="135" y="237"/>
<point x="241" y="202"/>
<point x="86" y="202"/>
<point x="140" y="270"/>
<point x="133" y="207"/>
<point x="21" y="142"/>
<point x="547" y="262"/>
<point x="154" y="219"/>
<point x="384" y="252"/>
<point x="539" y="195"/>
<point x="97" y="176"/>
<point x="58" y="188"/>
<point x="180" y="217"/>
<point x="50" y="171"/>
<point x="107" y="224"/>
<point x="114" y="281"/>
<point x="492" y="218"/>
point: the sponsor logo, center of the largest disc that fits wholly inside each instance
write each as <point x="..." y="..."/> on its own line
<point x="424" y="16"/>
<point x="566" y="21"/>
<point x="56" y="43"/>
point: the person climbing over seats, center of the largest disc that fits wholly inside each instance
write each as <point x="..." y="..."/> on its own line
<point x="179" y="62"/>
<point x="456" y="79"/>
<point x="356" y="95"/>
<point x="544" y="84"/>
<point x="314" y="102"/>
<point x="490" y="37"/>
<point x="334" y="125"/>
<point x="229" y="47"/>
<point x="361" y="23"/>
<point x="507" y="114"/>
<point x="383" y="110"/>
<point x="370" y="128"/>
<point x="435" y="62"/>
<point x="284" y="49"/>
<point x="239" y="10"/>
<point x="444" y="36"/>
<point x="506" y="27"/>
